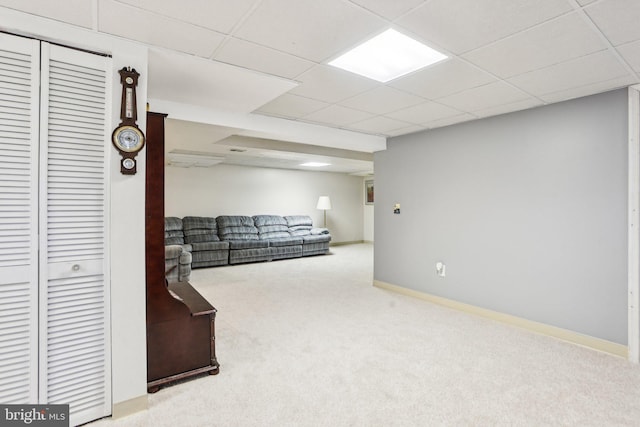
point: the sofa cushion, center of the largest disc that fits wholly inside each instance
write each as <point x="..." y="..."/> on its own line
<point x="248" y="244"/>
<point x="316" y="238"/>
<point x="283" y="252"/>
<point x="271" y="227"/>
<point x="210" y="246"/>
<point x="173" y="234"/>
<point x="200" y="229"/>
<point x="285" y="241"/>
<point x="266" y="220"/>
<point x="299" y="220"/>
<point x="299" y="225"/>
<point x="210" y="258"/>
<point x="236" y="227"/>
<point x="300" y="232"/>
<point x="234" y="221"/>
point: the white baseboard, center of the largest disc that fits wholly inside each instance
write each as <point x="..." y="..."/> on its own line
<point x="540" y="328"/>
<point x="346" y="243"/>
<point x="131" y="406"/>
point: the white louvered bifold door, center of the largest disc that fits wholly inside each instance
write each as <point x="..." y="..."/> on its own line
<point x="74" y="295"/>
<point x="19" y="105"/>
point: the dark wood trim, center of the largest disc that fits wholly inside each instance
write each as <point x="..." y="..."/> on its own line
<point x="180" y="322"/>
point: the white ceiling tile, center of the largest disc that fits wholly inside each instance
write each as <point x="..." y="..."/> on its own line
<point x="631" y="53"/>
<point x="330" y="84"/>
<point x="442" y="79"/>
<point x="508" y="108"/>
<point x="76" y="12"/>
<point x="617" y="19"/>
<point x="424" y="113"/>
<point x="389" y="9"/>
<point x="260" y="58"/>
<point x="186" y="79"/>
<point x="487" y="96"/>
<point x="132" y="23"/>
<point x="555" y="41"/>
<point x="180" y="134"/>
<point x="311" y="29"/>
<point x="219" y="15"/>
<point x="382" y="100"/>
<point x="590" y="89"/>
<point x="292" y="106"/>
<point x="379" y="125"/>
<point x="594" y="68"/>
<point x="406" y="131"/>
<point x="450" y="121"/>
<point x="462" y="25"/>
<point x="337" y="115"/>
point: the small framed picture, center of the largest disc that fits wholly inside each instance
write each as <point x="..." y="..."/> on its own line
<point x="368" y="192"/>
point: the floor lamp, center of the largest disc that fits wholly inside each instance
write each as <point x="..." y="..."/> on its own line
<point x="324" y="203"/>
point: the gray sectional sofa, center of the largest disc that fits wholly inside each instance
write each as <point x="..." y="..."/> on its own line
<point x="237" y="239"/>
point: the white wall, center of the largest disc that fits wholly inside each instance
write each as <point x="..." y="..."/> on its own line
<point x="241" y="190"/>
<point x="126" y="238"/>
<point x="527" y="210"/>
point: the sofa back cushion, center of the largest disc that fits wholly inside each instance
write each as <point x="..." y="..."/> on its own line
<point x="236" y="227"/>
<point x="271" y="227"/>
<point x="173" y="234"/>
<point x="199" y="229"/>
<point x="299" y="225"/>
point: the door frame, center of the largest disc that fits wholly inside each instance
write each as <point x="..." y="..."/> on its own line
<point x="633" y="219"/>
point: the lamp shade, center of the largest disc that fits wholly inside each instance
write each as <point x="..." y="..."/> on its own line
<point x="324" y="203"/>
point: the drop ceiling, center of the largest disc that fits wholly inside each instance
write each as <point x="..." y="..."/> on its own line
<point x="257" y="69"/>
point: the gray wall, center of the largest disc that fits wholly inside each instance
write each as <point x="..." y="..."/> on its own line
<point x="527" y="211"/>
<point x="242" y="190"/>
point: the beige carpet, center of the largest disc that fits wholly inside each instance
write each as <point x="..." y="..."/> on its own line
<point x="310" y="342"/>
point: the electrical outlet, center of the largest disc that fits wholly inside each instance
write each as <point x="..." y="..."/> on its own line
<point x="441" y="269"/>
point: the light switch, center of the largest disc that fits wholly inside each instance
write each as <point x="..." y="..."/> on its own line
<point x="441" y="269"/>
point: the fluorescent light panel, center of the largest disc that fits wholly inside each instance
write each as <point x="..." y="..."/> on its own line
<point x="315" y="164"/>
<point x="388" y="56"/>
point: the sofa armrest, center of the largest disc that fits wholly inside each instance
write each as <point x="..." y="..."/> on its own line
<point x="318" y="231"/>
<point x="173" y="251"/>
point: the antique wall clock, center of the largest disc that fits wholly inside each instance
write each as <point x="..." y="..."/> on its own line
<point x="127" y="137"/>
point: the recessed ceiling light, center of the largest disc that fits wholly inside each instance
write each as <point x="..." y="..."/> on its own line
<point x="315" y="164"/>
<point x="388" y="56"/>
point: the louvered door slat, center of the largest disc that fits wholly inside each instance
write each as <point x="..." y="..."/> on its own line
<point x="19" y="77"/>
<point x="74" y="356"/>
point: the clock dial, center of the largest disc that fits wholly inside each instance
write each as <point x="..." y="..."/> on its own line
<point x="128" y="163"/>
<point x="128" y="139"/>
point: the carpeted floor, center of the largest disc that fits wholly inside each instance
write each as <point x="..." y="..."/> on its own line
<point x="310" y="342"/>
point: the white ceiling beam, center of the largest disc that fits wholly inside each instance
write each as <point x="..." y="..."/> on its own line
<point x="260" y="126"/>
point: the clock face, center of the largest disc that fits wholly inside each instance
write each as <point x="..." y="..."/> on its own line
<point x="128" y="163"/>
<point x="128" y="139"/>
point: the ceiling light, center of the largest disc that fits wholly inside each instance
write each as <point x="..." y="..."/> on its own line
<point x="315" y="164"/>
<point x="388" y="56"/>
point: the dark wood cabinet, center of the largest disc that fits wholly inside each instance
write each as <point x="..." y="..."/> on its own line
<point x="180" y="322"/>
